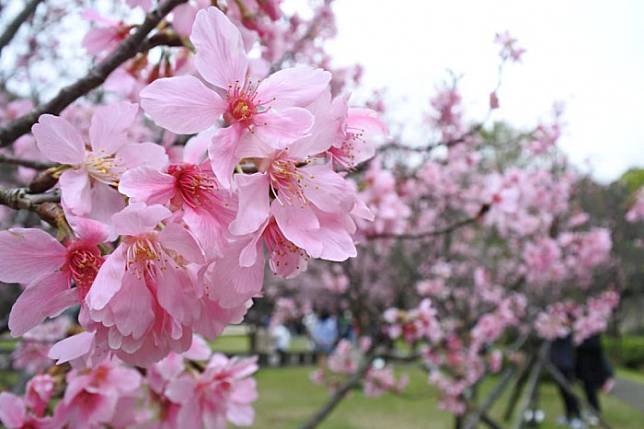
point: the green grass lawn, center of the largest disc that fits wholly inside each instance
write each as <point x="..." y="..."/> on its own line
<point x="287" y="398"/>
<point x="240" y="344"/>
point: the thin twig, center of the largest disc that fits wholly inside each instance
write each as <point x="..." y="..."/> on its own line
<point x="17" y="22"/>
<point x="127" y="49"/>
<point x="434" y="232"/>
<point x="494" y="394"/>
<point x="428" y="148"/>
<point x="44" y="205"/>
<point x="341" y="392"/>
<point x="29" y="163"/>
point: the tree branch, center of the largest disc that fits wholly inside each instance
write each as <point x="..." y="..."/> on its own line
<point x="434" y="232"/>
<point x="315" y="420"/>
<point x="94" y="78"/>
<point x="29" y="163"/>
<point x="494" y="394"/>
<point x="44" y="205"/>
<point x="14" y="25"/>
<point x="428" y="148"/>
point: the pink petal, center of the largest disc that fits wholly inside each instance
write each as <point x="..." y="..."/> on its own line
<point x="108" y="280"/>
<point x="325" y="130"/>
<point x="138" y="218"/>
<point x="223" y="154"/>
<point x="183" y="16"/>
<point x="106" y="201"/>
<point x="248" y="255"/>
<point x="325" y="188"/>
<point x="199" y="350"/>
<point x="177" y="238"/>
<point x="361" y="210"/>
<point x="253" y="202"/>
<point x="278" y="128"/>
<point x="195" y="150"/>
<point x="296" y="86"/>
<point x="58" y="140"/>
<point x="76" y="191"/>
<point x="132" y="307"/>
<point x="182" y="104"/>
<point x="107" y="132"/>
<point x="300" y="226"/>
<point x="176" y="295"/>
<point x="241" y="415"/>
<point x="221" y="57"/>
<point x="12" y="410"/>
<point x="181" y="390"/>
<point x="45" y="297"/>
<point x="88" y="230"/>
<point x="338" y="243"/>
<point x="231" y="285"/>
<point x="211" y="231"/>
<point x="148" y="185"/>
<point x="71" y="348"/>
<point x="100" y="39"/>
<point x="146" y="5"/>
<point x="28" y="253"/>
<point x="136" y="154"/>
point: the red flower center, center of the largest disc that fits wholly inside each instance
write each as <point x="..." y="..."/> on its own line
<point x="194" y="185"/>
<point x="83" y="264"/>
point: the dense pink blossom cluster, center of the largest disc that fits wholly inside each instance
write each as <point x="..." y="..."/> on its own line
<point x="345" y="361"/>
<point x="196" y="388"/>
<point x="163" y="238"/>
<point x="192" y="230"/>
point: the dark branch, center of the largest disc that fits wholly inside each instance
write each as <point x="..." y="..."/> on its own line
<point x="162" y="39"/>
<point x="29" y="163"/>
<point x="94" y="78"/>
<point x="428" y="148"/>
<point x="341" y="392"/>
<point x="434" y="232"/>
<point x="496" y="392"/>
<point x="14" y="25"/>
<point x="44" y="205"/>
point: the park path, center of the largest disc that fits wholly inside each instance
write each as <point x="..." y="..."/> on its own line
<point x="630" y="392"/>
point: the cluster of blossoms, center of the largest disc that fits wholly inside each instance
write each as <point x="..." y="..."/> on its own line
<point x="159" y="243"/>
<point x="564" y="318"/>
<point x="345" y="361"/>
<point x="414" y="325"/>
<point x="195" y="388"/>
<point x="183" y="253"/>
<point x="465" y="295"/>
<point x="571" y="254"/>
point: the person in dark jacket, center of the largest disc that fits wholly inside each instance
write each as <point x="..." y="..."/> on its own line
<point x="592" y="369"/>
<point x="562" y="357"/>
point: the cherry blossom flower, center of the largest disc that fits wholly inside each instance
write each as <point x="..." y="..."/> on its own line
<point x="92" y="395"/>
<point x="191" y="188"/>
<point x="86" y="183"/>
<point x="223" y="392"/>
<point x="147" y="271"/>
<point x="269" y="112"/>
<point x="48" y="269"/>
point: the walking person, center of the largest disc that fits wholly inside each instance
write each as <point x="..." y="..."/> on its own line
<point x="594" y="371"/>
<point x="562" y="357"/>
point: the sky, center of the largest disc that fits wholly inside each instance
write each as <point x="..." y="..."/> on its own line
<point x="588" y="54"/>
